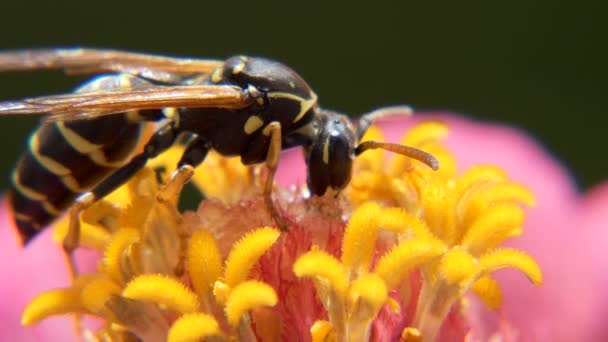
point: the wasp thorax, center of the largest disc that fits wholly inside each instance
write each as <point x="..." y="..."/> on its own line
<point x="331" y="154"/>
<point x="264" y="74"/>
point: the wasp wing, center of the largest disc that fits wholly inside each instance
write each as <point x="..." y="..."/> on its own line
<point x="94" y="104"/>
<point x="93" y="61"/>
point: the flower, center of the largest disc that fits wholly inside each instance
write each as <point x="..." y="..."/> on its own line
<point x="324" y="277"/>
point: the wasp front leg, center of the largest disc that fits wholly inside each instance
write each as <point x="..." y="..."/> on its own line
<point x="272" y="161"/>
<point x="159" y="142"/>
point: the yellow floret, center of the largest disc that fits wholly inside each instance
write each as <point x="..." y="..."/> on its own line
<point x="162" y="290"/>
<point x="246" y="252"/>
<point x="193" y="327"/>
<point x="246" y="296"/>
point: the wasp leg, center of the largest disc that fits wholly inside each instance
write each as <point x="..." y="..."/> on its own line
<point x="272" y="160"/>
<point x="193" y="155"/>
<point x="159" y="142"/>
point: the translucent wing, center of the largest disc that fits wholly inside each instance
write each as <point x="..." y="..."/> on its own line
<point x="94" y="104"/>
<point x="93" y="61"/>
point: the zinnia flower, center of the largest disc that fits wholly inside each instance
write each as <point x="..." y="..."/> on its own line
<point x="403" y="253"/>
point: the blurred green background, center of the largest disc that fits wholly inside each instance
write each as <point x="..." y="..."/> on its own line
<point x="539" y="65"/>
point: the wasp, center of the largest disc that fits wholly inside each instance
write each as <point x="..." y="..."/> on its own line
<point x="243" y="106"/>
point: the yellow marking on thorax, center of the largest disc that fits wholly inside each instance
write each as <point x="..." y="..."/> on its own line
<point x="216" y="76"/>
<point x="253" y="124"/>
<point x="172" y="114"/>
<point x="133" y="116"/>
<point x="238" y="68"/>
<point x="326" y="151"/>
<point x="305" y="105"/>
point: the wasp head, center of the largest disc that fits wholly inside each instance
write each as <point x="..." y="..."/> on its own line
<point x="330" y="155"/>
<point x="335" y="144"/>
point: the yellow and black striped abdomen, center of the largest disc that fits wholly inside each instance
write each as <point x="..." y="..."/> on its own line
<point x="65" y="159"/>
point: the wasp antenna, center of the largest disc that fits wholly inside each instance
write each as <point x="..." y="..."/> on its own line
<point x="367" y="119"/>
<point x="403" y="150"/>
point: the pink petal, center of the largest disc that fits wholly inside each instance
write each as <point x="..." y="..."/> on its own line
<point x="591" y="267"/>
<point x="292" y="169"/>
<point x="26" y="272"/>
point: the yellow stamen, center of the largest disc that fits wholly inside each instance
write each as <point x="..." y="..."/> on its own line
<point x="320" y="265"/>
<point x="488" y="290"/>
<point x="56" y="302"/>
<point x="360" y="237"/>
<point x="479" y="175"/>
<point x="193" y="327"/>
<point x="204" y="261"/>
<point x="371" y="289"/>
<point x="162" y="290"/>
<point x="221" y="291"/>
<point x="410" y="334"/>
<point x="400" y="221"/>
<point x="480" y="200"/>
<point x="401" y="259"/>
<point x="323" y="331"/>
<point x="246" y="252"/>
<point x="96" y="293"/>
<point x="369" y="185"/>
<point x="457" y="266"/>
<point x="512" y="258"/>
<point x="114" y="252"/>
<point x="437" y="201"/>
<point x="246" y="296"/>
<point x="493" y="227"/>
<point x="50" y="303"/>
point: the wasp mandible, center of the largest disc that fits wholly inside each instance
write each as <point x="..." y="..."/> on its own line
<point x="243" y="106"/>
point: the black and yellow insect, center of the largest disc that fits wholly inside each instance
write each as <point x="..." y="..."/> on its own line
<point x="245" y="106"/>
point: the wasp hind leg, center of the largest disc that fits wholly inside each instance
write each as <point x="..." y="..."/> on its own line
<point x="159" y="142"/>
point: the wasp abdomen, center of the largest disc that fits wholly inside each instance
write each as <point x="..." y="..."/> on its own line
<point x="65" y="159"/>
